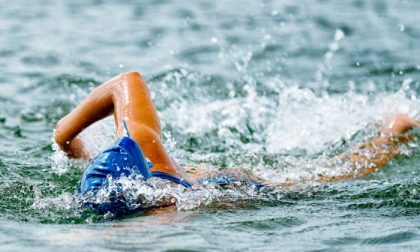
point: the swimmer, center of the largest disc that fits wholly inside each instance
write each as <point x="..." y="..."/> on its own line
<point x="139" y="150"/>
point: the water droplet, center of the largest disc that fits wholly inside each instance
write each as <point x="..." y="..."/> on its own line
<point x="339" y="35"/>
<point x="402" y="27"/>
<point x="267" y="36"/>
<point x="406" y="84"/>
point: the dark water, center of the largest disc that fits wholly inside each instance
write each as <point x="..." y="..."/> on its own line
<point x="271" y="87"/>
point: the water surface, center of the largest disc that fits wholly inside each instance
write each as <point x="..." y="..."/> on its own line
<point x="275" y="88"/>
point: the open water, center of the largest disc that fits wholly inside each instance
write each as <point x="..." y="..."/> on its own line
<point x="274" y="88"/>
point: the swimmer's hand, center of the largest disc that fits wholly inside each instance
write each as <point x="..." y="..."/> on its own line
<point x="398" y="124"/>
<point x="66" y="138"/>
<point x="74" y="149"/>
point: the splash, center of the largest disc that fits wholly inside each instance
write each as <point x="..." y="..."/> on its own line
<point x="139" y="194"/>
<point x="285" y="134"/>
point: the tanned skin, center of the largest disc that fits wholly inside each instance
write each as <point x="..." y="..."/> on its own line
<point x="370" y="156"/>
<point x="127" y="97"/>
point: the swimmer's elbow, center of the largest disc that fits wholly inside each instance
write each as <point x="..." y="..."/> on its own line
<point x="131" y="74"/>
<point x="129" y="79"/>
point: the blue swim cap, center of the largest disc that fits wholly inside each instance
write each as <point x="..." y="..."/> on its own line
<point x="123" y="158"/>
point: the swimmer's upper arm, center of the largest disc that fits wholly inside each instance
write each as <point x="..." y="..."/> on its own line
<point x="150" y="142"/>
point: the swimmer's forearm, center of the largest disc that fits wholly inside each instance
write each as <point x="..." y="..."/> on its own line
<point x="97" y="105"/>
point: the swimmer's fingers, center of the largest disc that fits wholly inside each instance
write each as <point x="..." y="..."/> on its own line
<point x="399" y="124"/>
<point x="417" y="124"/>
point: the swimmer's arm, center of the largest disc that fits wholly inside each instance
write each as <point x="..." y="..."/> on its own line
<point x="367" y="158"/>
<point x="370" y="156"/>
<point x="96" y="106"/>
